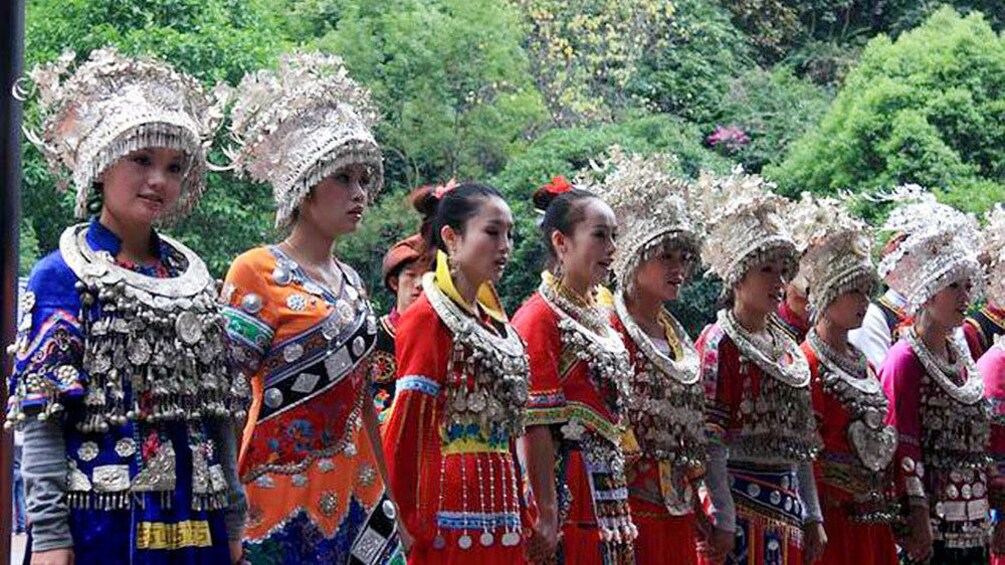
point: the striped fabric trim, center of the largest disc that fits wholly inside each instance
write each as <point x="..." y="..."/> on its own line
<point x="546" y="399"/>
<point x="418" y="383"/>
<point x="248" y="329"/>
<point x="477" y="520"/>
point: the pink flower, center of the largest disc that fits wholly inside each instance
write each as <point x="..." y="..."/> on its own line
<point x="731" y="138"/>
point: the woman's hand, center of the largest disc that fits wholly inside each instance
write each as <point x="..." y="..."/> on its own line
<point x="406" y="538"/>
<point x="718" y="545"/>
<point x="61" y="556"/>
<point x="816" y="542"/>
<point x="237" y="552"/>
<point x="918" y="544"/>
<point x="543" y="542"/>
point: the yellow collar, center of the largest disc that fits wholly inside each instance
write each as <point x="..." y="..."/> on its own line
<point x="487" y="297"/>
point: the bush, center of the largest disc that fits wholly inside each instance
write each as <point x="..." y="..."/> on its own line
<point x="925" y="109"/>
<point x="691" y="75"/>
<point x="773" y="108"/>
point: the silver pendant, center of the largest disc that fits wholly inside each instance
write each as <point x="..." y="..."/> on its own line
<point x="439" y="542"/>
<point x="188" y="328"/>
<point x="510" y="539"/>
<point x="874" y="447"/>
<point x="464" y="542"/>
<point x="487" y="539"/>
<point x="139" y="352"/>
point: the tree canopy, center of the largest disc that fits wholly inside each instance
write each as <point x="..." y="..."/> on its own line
<point x="821" y="96"/>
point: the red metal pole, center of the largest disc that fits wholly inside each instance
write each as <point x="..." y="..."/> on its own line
<point x="11" y="60"/>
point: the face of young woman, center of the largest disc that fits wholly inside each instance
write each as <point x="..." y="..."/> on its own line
<point x="337" y="203"/>
<point x="762" y="288"/>
<point x="661" y="277"/>
<point x="848" y="310"/>
<point x="587" y="253"/>
<point x="409" y="284"/>
<point x="482" y="250"/>
<point x="143" y="186"/>
<point x="949" y="306"/>
<point x="795" y="297"/>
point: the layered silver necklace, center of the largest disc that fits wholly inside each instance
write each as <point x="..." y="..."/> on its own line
<point x="773" y="350"/>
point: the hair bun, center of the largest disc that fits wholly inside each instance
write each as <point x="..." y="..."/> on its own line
<point x="551" y="190"/>
<point x="424" y="200"/>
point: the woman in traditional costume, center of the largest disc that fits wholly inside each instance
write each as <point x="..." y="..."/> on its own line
<point x="759" y="413"/>
<point x="991" y="365"/>
<point x="986" y="326"/>
<point x="657" y="250"/>
<point x="853" y="471"/>
<point x="301" y="323"/>
<point x="936" y="393"/>
<point x="579" y="377"/>
<point x="402" y="269"/>
<point x="461" y="394"/>
<point x="122" y="383"/>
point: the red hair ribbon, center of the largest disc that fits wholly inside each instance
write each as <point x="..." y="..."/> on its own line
<point x="440" y="191"/>
<point x="558" y="185"/>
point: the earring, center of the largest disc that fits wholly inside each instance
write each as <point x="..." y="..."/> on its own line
<point x="94" y="200"/>
<point x="451" y="267"/>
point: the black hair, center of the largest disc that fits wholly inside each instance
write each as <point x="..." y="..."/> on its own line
<point x="562" y="212"/>
<point x="457" y="207"/>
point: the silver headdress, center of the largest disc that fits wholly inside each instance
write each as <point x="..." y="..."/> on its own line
<point x="650" y="206"/>
<point x="993" y="254"/>
<point x="939" y="245"/>
<point x="113" y="105"/>
<point x="744" y="225"/>
<point x="300" y="123"/>
<point x="835" y="250"/>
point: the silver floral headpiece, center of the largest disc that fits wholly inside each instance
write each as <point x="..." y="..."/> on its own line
<point x="939" y="246"/>
<point x="993" y="254"/>
<point x="650" y="206"/>
<point x="300" y="123"/>
<point x="835" y="249"/>
<point x="742" y="216"/>
<point x="113" y="105"/>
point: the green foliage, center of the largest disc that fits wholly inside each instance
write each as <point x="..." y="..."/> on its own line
<point x="584" y="54"/>
<point x="926" y="109"/>
<point x="774" y="108"/>
<point x="450" y="78"/>
<point x="566" y="151"/>
<point x="27" y="251"/>
<point x="690" y="76"/>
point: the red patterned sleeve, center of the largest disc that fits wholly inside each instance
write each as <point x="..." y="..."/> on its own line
<point x="412" y="431"/>
<point x="537" y="325"/>
<point x="972" y="334"/>
<point x="901" y="378"/>
<point x="720" y="373"/>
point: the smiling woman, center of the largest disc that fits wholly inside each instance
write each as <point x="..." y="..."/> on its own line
<point x="122" y="383"/>
<point x="760" y="423"/>
<point x="579" y="371"/>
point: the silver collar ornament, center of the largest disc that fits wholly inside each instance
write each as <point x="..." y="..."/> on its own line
<point x="159" y="338"/>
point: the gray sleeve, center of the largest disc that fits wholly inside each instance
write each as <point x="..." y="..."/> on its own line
<point x="807" y="489"/>
<point x="717" y="482"/>
<point x="237" y="501"/>
<point x="44" y="469"/>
